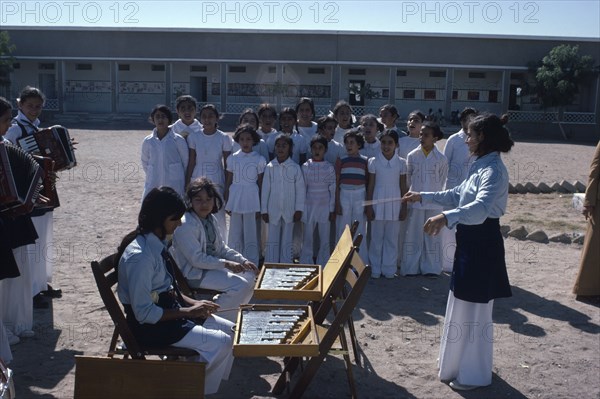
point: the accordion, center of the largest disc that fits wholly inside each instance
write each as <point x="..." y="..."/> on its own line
<point x="20" y="181"/>
<point x="53" y="142"/>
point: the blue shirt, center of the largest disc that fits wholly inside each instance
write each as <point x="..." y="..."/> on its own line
<point x="482" y="195"/>
<point x="142" y="276"/>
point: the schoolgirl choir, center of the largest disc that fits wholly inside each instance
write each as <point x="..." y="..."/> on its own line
<point x="290" y="183"/>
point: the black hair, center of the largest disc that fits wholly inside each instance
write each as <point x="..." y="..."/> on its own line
<point x="467" y="113"/>
<point x="246" y="128"/>
<point x="495" y="135"/>
<point x="249" y="111"/>
<point x="357" y="135"/>
<point x="367" y="117"/>
<point x="418" y="113"/>
<point x="392" y="108"/>
<point x="207" y="185"/>
<point x="317" y="138"/>
<point x="309" y="101"/>
<point x="30" y="92"/>
<point x="287" y="139"/>
<point x="158" y="205"/>
<point x="324" y="120"/>
<point x="390" y="132"/>
<point x="290" y="111"/>
<point x="5" y="105"/>
<point x="267" y="107"/>
<point x="341" y="104"/>
<point x="186" y="99"/>
<point x="437" y="132"/>
<point x="164" y="109"/>
<point x="209" y="107"/>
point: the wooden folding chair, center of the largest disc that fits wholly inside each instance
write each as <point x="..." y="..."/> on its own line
<point x="357" y="276"/>
<point x="106" y="276"/>
<point x="185" y="288"/>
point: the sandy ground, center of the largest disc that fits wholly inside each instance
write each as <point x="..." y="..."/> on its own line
<point x="546" y="343"/>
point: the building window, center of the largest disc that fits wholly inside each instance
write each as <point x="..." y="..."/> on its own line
<point x="455" y="94"/>
<point x="198" y="68"/>
<point x="493" y="96"/>
<point x="473" y="96"/>
<point x="237" y="69"/>
<point x="437" y="74"/>
<point x="408" y="94"/>
<point x="46" y="66"/>
<point x="316" y="71"/>
<point x="17" y="65"/>
<point x="272" y="69"/>
<point x="157" y="68"/>
<point x="357" y="71"/>
<point x="83" y="67"/>
<point x="429" y="94"/>
<point x="476" y="75"/>
<point x="401" y="72"/>
<point x="517" y="76"/>
<point x="124" y="67"/>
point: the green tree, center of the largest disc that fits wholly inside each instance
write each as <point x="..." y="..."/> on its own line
<point x="6" y="59"/>
<point x="559" y="76"/>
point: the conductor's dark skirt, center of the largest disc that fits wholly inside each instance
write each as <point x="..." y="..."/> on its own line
<point x="479" y="273"/>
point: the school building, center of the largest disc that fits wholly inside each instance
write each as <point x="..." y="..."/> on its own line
<point x="120" y="71"/>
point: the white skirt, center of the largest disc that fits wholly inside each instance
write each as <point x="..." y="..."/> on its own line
<point x="467" y="342"/>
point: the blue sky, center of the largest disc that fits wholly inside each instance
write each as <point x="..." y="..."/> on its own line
<point x="537" y="18"/>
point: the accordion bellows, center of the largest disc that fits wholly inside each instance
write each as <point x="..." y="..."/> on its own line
<point x="20" y="180"/>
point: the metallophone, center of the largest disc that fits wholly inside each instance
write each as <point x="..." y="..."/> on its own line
<point x="289" y="282"/>
<point x="275" y="330"/>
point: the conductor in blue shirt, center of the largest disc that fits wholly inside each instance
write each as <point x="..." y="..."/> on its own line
<point x="479" y="275"/>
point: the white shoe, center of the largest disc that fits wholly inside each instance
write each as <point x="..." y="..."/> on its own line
<point x="12" y="338"/>
<point x="26" y="334"/>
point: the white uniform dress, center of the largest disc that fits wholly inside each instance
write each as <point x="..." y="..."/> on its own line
<point x="335" y="150"/>
<point x="319" y="178"/>
<point x="283" y="193"/>
<point x="210" y="163"/>
<point x="164" y="161"/>
<point x="202" y="263"/>
<point x="308" y="133"/>
<point x="185" y="130"/>
<point x="300" y="145"/>
<point x="422" y="253"/>
<point x="383" y="248"/>
<point x="39" y="254"/>
<point x="459" y="160"/>
<point x="244" y="202"/>
<point x="371" y="150"/>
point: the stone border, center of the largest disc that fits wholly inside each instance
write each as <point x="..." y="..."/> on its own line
<point x="540" y="236"/>
<point x="564" y="187"/>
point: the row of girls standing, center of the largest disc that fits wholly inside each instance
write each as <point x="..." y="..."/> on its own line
<point x="363" y="169"/>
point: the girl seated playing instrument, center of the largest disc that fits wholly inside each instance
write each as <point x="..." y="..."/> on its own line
<point x="204" y="258"/>
<point x="157" y="313"/>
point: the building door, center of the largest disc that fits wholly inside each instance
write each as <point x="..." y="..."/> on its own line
<point x="48" y="85"/>
<point x="198" y="88"/>
<point x="355" y="90"/>
<point x="514" y="98"/>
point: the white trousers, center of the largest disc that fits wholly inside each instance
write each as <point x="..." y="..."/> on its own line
<point x="383" y="248"/>
<point x="353" y="209"/>
<point x="214" y="342"/>
<point x="466" y="349"/>
<point x="237" y="289"/>
<point x="242" y="235"/>
<point x="5" y="353"/>
<point x="324" y="245"/>
<point x="42" y="252"/>
<point x="16" y="301"/>
<point x="421" y="253"/>
<point x="449" y="248"/>
<point x="279" y="247"/>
